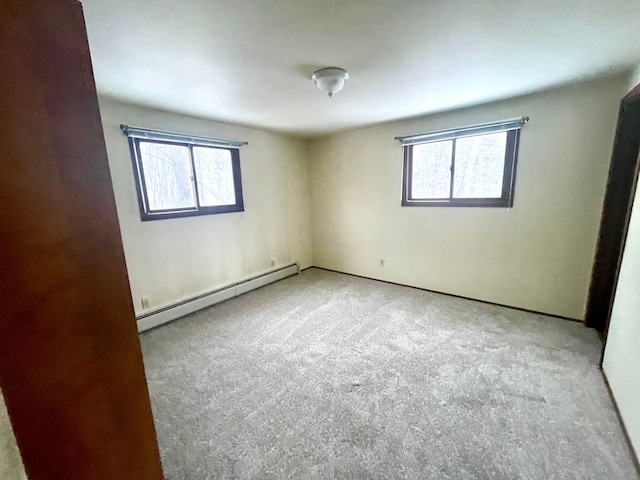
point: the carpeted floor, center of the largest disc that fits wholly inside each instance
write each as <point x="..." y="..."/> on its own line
<point x="324" y="375"/>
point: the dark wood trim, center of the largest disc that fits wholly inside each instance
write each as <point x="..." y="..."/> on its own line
<point x="508" y="179"/>
<point x="616" y="213"/>
<point x="486" y="302"/>
<point x="146" y="214"/>
<point x="194" y="183"/>
<point x="138" y="170"/>
<point x="510" y="166"/>
<point x="237" y="178"/>
<point x="460" y="202"/>
<point x="634" y="456"/>
<point x="407" y="172"/>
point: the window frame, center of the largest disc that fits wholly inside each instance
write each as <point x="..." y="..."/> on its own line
<point x="508" y="178"/>
<point x="147" y="214"/>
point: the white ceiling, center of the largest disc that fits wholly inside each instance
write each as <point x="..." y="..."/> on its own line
<point x="249" y="61"/>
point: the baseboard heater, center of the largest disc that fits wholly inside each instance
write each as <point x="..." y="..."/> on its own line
<point x="185" y="307"/>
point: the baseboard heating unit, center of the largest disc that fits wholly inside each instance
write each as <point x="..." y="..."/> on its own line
<point x="172" y="312"/>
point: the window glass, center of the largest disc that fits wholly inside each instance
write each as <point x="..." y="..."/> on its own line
<point x="167" y="176"/>
<point x="479" y="166"/>
<point x="431" y="173"/>
<point x="214" y="175"/>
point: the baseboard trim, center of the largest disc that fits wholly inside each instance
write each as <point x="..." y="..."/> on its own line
<point x="176" y="310"/>
<point x="455" y="296"/>
<point x="634" y="456"/>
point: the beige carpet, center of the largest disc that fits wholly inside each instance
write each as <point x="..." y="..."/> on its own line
<point x="325" y="375"/>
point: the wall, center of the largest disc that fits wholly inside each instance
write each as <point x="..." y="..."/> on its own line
<point x="536" y="255"/>
<point x="171" y="260"/>
<point x="11" y="467"/>
<point x="634" y="80"/>
<point x="622" y="356"/>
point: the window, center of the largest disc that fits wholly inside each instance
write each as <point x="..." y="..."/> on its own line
<point x="467" y="167"/>
<point x="181" y="176"/>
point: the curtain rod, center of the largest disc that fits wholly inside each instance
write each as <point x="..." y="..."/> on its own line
<point x="139" y="132"/>
<point x="509" y="124"/>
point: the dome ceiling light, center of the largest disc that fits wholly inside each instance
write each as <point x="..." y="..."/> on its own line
<point x="330" y="80"/>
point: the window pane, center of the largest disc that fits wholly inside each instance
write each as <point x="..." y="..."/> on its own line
<point x="480" y="166"/>
<point x="214" y="174"/>
<point x="167" y="176"/>
<point x="431" y="176"/>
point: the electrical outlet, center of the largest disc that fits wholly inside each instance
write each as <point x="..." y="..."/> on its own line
<point x="146" y="302"/>
<point x="273" y="263"/>
<point x="382" y="262"/>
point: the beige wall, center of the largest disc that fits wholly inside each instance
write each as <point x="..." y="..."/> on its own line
<point x="635" y="78"/>
<point x="11" y="467"/>
<point x="622" y="355"/>
<point x="170" y="260"/>
<point x="536" y="255"/>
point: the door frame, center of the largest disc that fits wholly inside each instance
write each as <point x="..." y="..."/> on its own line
<point x="616" y="214"/>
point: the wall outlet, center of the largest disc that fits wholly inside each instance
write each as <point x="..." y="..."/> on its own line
<point x="382" y="262"/>
<point x="273" y="263"/>
<point x="145" y="302"/>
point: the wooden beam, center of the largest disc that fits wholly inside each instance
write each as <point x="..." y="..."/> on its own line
<point x="70" y="361"/>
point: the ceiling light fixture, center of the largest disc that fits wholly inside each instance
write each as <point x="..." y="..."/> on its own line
<point x="330" y="80"/>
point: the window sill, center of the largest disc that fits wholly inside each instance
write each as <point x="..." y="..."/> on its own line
<point x="145" y="217"/>
<point x="471" y="202"/>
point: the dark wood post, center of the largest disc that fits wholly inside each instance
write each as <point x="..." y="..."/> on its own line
<point x="70" y="362"/>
